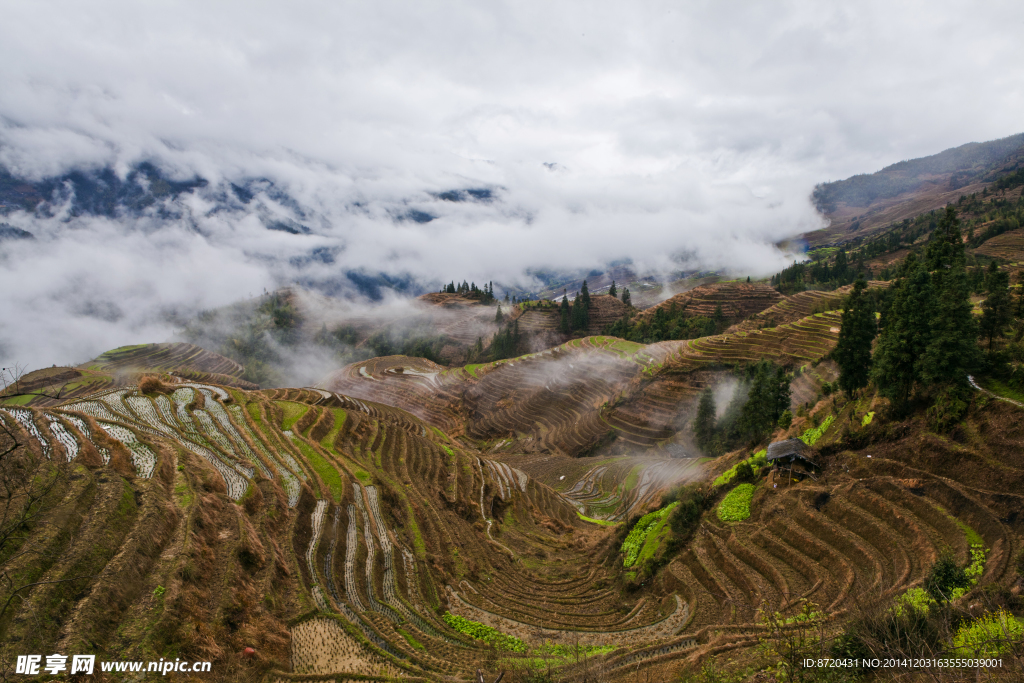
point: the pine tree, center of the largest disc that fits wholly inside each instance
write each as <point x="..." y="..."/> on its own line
<point x="857" y="331"/>
<point x="769" y="397"/>
<point x="946" y="247"/>
<point x="953" y="349"/>
<point x="612" y="290"/>
<point x="626" y="298"/>
<point x="906" y="331"/>
<point x="997" y="309"/>
<point x="585" y="295"/>
<point x="704" y="423"/>
<point x="498" y="317"/>
<point x="565" y="325"/>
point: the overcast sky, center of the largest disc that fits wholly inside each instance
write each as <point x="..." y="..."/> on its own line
<point x="675" y="134"/>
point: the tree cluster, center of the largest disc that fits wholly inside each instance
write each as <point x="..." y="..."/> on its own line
<point x="507" y="342"/>
<point x="575" y="316"/>
<point x="822" y="273"/>
<point x="470" y="290"/>
<point x="665" y="324"/>
<point x="760" y="403"/>
<point x="928" y="341"/>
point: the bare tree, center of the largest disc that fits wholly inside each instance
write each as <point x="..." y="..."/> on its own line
<point x="12" y="385"/>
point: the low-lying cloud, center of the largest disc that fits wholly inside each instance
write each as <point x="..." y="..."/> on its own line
<point x="678" y="137"/>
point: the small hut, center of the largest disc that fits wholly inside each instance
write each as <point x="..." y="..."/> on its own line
<point x="792" y="459"/>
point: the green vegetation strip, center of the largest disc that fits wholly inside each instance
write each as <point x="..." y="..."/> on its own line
<point x="735" y="507"/>
<point x="637" y="539"/>
<point x="811" y="436"/>
<point x="412" y="641"/>
<point x="602" y="522"/>
<point x="491" y="636"/>
<point x="325" y="469"/>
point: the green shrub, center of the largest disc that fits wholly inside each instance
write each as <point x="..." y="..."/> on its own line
<point x="744" y="472"/>
<point x="988" y="636"/>
<point x="735" y="507"/>
<point x="786" y="419"/>
<point x="945" y="577"/>
<point x="914" y="601"/>
<point x="754" y="462"/>
<point x="950" y="407"/>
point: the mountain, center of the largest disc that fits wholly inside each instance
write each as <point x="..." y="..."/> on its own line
<point x="862" y="204"/>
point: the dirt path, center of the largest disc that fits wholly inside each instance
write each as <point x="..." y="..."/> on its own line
<point x="993" y="394"/>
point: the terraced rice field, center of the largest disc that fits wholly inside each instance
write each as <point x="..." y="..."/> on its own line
<point x="797" y="306"/>
<point x="737" y="300"/>
<point x="1009" y="246"/>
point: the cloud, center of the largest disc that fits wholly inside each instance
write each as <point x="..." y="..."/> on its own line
<point x="677" y="136"/>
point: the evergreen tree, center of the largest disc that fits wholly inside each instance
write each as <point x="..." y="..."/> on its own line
<point x="857" y="330"/>
<point x="946" y="247"/>
<point x="769" y="397"/>
<point x="626" y="298"/>
<point x="906" y="332"/>
<point x="585" y="295"/>
<point x="506" y="297"/>
<point x="704" y="423"/>
<point x="564" y="325"/>
<point x="952" y="351"/>
<point x="839" y="270"/>
<point x="997" y="309"/>
<point x="498" y="317"/>
<point x="612" y="290"/>
<point x="579" y="316"/>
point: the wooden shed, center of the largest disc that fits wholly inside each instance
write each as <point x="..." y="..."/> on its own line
<point x="793" y="459"/>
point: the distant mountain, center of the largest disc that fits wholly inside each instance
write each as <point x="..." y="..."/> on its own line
<point x="863" y="203"/>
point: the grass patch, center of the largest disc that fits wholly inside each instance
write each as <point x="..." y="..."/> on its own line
<point x="602" y="522"/>
<point x="735" y="507"/>
<point x="867" y="419"/>
<point x="636" y="541"/>
<point x="293" y="412"/>
<point x="364" y="476"/>
<point x="491" y="636"/>
<point x="325" y="469"/>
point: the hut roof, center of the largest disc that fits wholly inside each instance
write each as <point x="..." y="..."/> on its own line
<point x="791" y="448"/>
